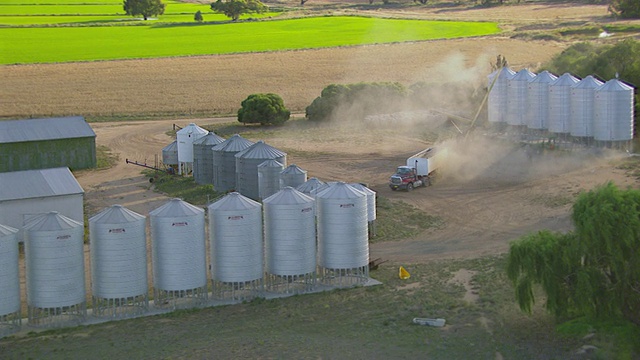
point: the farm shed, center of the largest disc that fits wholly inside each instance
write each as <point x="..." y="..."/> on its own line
<point x="24" y="194"/>
<point x="47" y="143"/>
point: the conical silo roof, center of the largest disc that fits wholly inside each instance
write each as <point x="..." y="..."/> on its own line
<point x="233" y="144"/>
<point x="288" y="196"/>
<point x="544" y="77"/>
<point x="565" y="79"/>
<point x="308" y="186"/>
<point x="52" y="221"/>
<point x="588" y="82"/>
<point x="234" y="201"/>
<point x="271" y="163"/>
<point x="293" y="169"/>
<point x="171" y="147"/>
<point x="192" y="129"/>
<point x="176" y="208"/>
<point x="210" y="139"/>
<point x="340" y="190"/>
<point x="260" y="150"/>
<point x="523" y="74"/>
<point x="615" y="85"/>
<point x="116" y="214"/>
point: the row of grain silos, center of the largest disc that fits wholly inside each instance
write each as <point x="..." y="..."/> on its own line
<point x="284" y="245"/>
<point x="581" y="108"/>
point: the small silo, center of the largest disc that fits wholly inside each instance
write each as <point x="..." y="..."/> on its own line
<point x="371" y="207"/>
<point x="560" y="104"/>
<point x="343" y="240"/>
<point x="310" y="186"/>
<point x="517" y="97"/>
<point x="292" y="176"/>
<point x="538" y="101"/>
<point x="170" y="154"/>
<point x="203" y="158"/>
<point x="118" y="247"/>
<point x="268" y="178"/>
<point x="10" y="319"/>
<point x="498" y="94"/>
<point x="224" y="162"/>
<point x="582" y="106"/>
<point x="54" y="262"/>
<point x="290" y="242"/>
<point x="186" y="137"/>
<point x="235" y="236"/>
<point x="178" y="255"/>
<point x="613" y="115"/>
<point x="247" y="162"/>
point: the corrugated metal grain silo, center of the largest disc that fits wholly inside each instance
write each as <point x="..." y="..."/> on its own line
<point x="268" y="178"/>
<point x="517" y="98"/>
<point x="203" y="158"/>
<point x="178" y="251"/>
<point x="371" y="206"/>
<point x="582" y="106"/>
<point x="498" y="94"/>
<point x="613" y="115"/>
<point x="118" y="247"/>
<point x="292" y="176"/>
<point x="10" y="319"/>
<point x="343" y="240"/>
<point x="538" y="101"/>
<point x="224" y="162"/>
<point x="247" y="162"/>
<point x="185" y="137"/>
<point x="236" y="245"/>
<point x="560" y="104"/>
<point x="54" y="262"/>
<point x="290" y="242"/>
<point x="310" y="186"/>
<point x="170" y="154"/>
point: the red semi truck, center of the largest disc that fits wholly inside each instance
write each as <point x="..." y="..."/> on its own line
<point x="418" y="171"/>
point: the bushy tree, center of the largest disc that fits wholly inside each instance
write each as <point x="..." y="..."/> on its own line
<point x="198" y="16"/>
<point x="594" y="270"/>
<point x="265" y="109"/>
<point x="235" y="8"/>
<point x="146" y="8"/>
<point x="629" y="9"/>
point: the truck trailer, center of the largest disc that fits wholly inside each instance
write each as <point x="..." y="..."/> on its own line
<point x="418" y="171"/>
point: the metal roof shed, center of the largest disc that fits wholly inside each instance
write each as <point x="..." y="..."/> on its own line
<point x="47" y="143"/>
<point x="24" y="194"/>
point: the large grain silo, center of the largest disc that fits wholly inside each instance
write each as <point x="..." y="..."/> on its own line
<point x="54" y="262"/>
<point x="118" y="246"/>
<point x="247" y="162"/>
<point x="310" y="186"/>
<point x="517" y="98"/>
<point x="290" y="242"/>
<point x="292" y="176"/>
<point x="268" y="178"/>
<point x="224" y="162"/>
<point x="203" y="158"/>
<point x="613" y="115"/>
<point x="538" y="101"/>
<point x="236" y="245"/>
<point x="582" y="107"/>
<point x="560" y="104"/>
<point x="10" y="319"/>
<point x="498" y="94"/>
<point x="186" y="137"/>
<point x="343" y="243"/>
<point x="371" y="206"/>
<point x="170" y="154"/>
<point x="178" y="255"/>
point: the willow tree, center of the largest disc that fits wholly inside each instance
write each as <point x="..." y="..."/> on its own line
<point x="594" y="270"/>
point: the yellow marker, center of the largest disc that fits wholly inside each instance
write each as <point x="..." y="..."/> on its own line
<point x="403" y="273"/>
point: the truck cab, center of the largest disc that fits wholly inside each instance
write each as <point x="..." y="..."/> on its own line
<point x="405" y="178"/>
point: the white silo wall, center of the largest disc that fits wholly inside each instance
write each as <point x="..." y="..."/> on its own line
<point x="178" y="246"/>
<point x="247" y="162"/>
<point x="224" y="162"/>
<point x="292" y="176"/>
<point x="517" y="98"/>
<point x="371" y="200"/>
<point x="269" y="178"/>
<point x="9" y="272"/>
<point x="582" y="106"/>
<point x="342" y="227"/>
<point x="170" y="154"/>
<point x="185" y="137"/>
<point x="236" y="241"/>
<point x="118" y="247"/>
<point x="613" y="115"/>
<point x="560" y="104"/>
<point x="498" y="95"/>
<point x="54" y="261"/>
<point x="290" y="233"/>
<point x="538" y="101"/>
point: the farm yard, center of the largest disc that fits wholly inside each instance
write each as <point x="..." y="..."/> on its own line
<point x="488" y="195"/>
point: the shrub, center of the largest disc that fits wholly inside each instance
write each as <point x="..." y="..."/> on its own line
<point x="265" y="109"/>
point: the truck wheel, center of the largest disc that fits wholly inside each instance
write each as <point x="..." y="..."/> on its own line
<point x="409" y="186"/>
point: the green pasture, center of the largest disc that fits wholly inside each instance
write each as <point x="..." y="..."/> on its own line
<point x="114" y="20"/>
<point x="60" y="2"/>
<point x="67" y="44"/>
